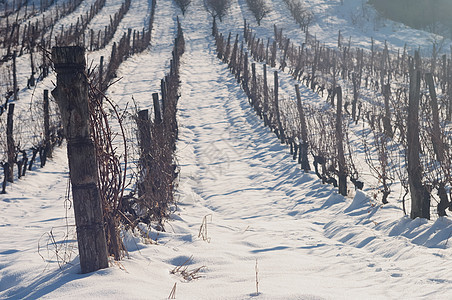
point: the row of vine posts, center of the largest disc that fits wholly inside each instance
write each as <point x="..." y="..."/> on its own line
<point x="27" y="36"/>
<point x="91" y="85"/>
<point x="394" y="78"/>
<point x="16" y="156"/>
<point x="100" y="190"/>
<point x="53" y="133"/>
<point x="157" y="140"/>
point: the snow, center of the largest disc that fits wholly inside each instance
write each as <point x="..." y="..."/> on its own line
<point x="243" y="202"/>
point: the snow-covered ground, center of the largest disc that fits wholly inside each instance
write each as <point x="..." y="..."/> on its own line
<point x="361" y="22"/>
<point x="246" y="212"/>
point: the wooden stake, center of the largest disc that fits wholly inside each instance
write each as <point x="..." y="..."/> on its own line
<point x="438" y="145"/>
<point x="157" y="112"/>
<point x="16" y="97"/>
<point x="71" y="94"/>
<point x="420" y="197"/>
<point x="11" y="147"/>
<point x="304" y="133"/>
<point x="340" y="145"/>
<point x="47" y="145"/>
<point x="278" y="115"/>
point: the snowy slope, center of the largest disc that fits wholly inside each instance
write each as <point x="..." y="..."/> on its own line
<point x="236" y="179"/>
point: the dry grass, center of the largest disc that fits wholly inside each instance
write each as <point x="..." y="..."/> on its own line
<point x="172" y="294"/>
<point x="186" y="273"/>
<point x="203" y="229"/>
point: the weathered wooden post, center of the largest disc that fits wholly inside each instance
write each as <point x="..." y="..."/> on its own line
<point x="444" y="74"/>
<point x="278" y="115"/>
<point x="101" y="74"/>
<point x="333" y="87"/>
<point x="144" y="136"/>
<point x="163" y="91"/>
<point x="31" y="80"/>
<point x="214" y="26"/>
<point x="254" y="85"/>
<point x="45" y="67"/>
<point x="239" y="66"/>
<point x="265" y="106"/>
<point x="157" y="111"/>
<point x="266" y="51"/>
<point x="5" y="177"/>
<point x="438" y="145"/>
<point x="434" y="57"/>
<point x="220" y="46"/>
<point x="273" y="58"/>
<point x="11" y="147"/>
<point x="233" y="60"/>
<point x="15" y="76"/>
<point x="71" y="95"/>
<point x="47" y="146"/>
<point x="420" y="197"/>
<point x="340" y="145"/>
<point x="144" y="132"/>
<point x="449" y="91"/>
<point x="91" y="40"/>
<point x="387" y="117"/>
<point x="372" y="56"/>
<point x="286" y="48"/>
<point x="304" y="133"/>
<point x="355" y="95"/>
<point x="227" y="52"/>
<point x="246" y="74"/>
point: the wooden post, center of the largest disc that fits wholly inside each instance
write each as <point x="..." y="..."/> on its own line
<point x="286" y="48"/>
<point x="273" y="58"/>
<point x="31" y="80"/>
<point x="254" y="84"/>
<point x="372" y="57"/>
<point x="214" y="26"/>
<point x="420" y="197"/>
<point x="266" y="51"/>
<point x="47" y="146"/>
<point x="5" y="177"/>
<point x="238" y="76"/>
<point x="304" y="133"/>
<point x="387" y="117"/>
<point x="24" y="161"/>
<point x="449" y="91"/>
<point x="265" y="106"/>
<point x="340" y="145"/>
<point x="45" y="67"/>
<point x="144" y="135"/>
<point x="278" y="116"/>
<point x="355" y="95"/>
<point x="344" y="64"/>
<point x="434" y="56"/>
<point x="163" y="93"/>
<point x="11" y="147"/>
<point x="91" y="40"/>
<point x="144" y="131"/>
<point x="227" y="51"/>
<point x="246" y="74"/>
<point x="233" y="60"/>
<point x="15" y="76"/>
<point x="71" y="94"/>
<point x="157" y="112"/>
<point x="101" y="73"/>
<point x="444" y="81"/>
<point x="333" y="86"/>
<point x="438" y="145"/>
